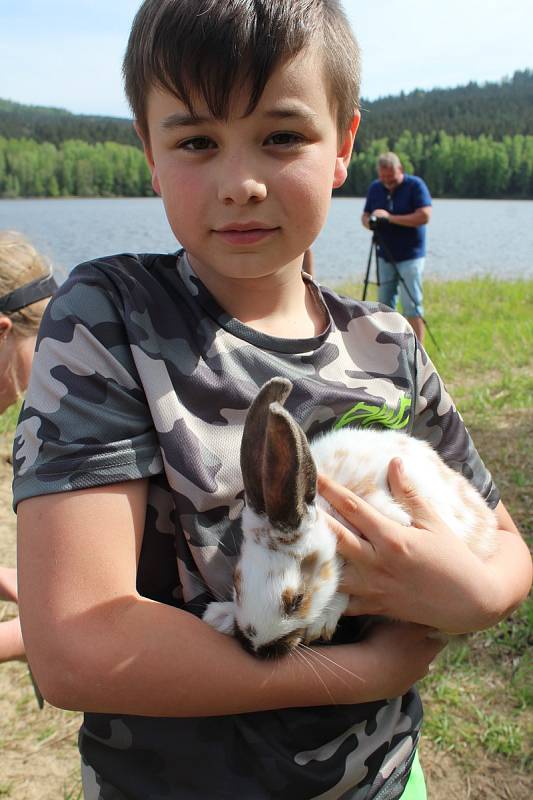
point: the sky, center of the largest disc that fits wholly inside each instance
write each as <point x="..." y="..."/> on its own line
<point x="68" y="53"/>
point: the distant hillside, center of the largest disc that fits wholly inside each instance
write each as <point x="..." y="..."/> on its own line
<point x="493" y="109"/>
<point x="55" y="125"/>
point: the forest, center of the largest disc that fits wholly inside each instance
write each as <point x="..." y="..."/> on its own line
<point x="452" y="166"/>
<point x="72" y="168"/>
<point x="55" y="125"/>
<point x="492" y="109"/>
<point x="470" y="141"/>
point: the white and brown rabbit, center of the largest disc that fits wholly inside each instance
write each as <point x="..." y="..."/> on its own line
<point x="285" y="582"/>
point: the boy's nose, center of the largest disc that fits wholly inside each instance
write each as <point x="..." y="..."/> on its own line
<point x="239" y="184"/>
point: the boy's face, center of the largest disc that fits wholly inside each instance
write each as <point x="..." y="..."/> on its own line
<point x="247" y="196"/>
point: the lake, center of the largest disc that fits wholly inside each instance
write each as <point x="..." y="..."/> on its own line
<point x="466" y="238"/>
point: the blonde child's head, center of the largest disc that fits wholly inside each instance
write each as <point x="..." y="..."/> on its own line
<point x="20" y="266"/>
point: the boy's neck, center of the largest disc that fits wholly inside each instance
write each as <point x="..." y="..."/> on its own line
<point x="280" y="304"/>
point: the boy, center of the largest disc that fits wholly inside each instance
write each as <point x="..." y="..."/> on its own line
<point x="128" y="481"/>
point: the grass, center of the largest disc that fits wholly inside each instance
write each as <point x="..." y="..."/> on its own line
<point x="479" y="696"/>
<point x="8" y="420"/>
<point x="75" y="793"/>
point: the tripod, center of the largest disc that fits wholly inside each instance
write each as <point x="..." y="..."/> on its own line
<point x="378" y="241"/>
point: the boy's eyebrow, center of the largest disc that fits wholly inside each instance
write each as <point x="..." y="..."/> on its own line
<point x="180" y="118"/>
<point x="185" y="119"/>
<point x="292" y="112"/>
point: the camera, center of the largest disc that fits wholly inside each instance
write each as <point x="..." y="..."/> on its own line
<point x="377" y="222"/>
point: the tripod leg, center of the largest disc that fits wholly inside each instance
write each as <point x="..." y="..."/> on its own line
<point x="367" y="275"/>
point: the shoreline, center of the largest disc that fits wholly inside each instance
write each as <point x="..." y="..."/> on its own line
<point x="458" y="198"/>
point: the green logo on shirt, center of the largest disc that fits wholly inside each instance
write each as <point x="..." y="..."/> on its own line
<point x="365" y="415"/>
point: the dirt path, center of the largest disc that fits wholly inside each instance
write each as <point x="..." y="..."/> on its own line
<point x="39" y="758"/>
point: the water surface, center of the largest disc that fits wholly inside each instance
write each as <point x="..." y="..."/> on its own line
<point x="466" y="238"/>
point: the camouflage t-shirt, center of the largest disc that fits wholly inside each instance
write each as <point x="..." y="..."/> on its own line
<point x="140" y="374"/>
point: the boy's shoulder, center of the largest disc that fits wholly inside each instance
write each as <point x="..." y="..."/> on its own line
<point x="118" y="273"/>
<point x="345" y="308"/>
<point x="134" y="263"/>
<point x="109" y="289"/>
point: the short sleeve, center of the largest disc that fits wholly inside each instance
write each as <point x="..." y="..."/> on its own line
<point x="438" y="422"/>
<point x="85" y="420"/>
<point x="422" y="196"/>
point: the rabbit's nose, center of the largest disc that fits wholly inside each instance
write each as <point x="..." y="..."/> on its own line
<point x="280" y="647"/>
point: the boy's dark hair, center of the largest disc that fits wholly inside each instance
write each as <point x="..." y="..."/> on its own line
<point x="209" y="47"/>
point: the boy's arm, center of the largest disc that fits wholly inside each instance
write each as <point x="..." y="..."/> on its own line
<point x="95" y="644"/>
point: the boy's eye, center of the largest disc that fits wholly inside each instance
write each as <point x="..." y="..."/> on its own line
<point x="284" y="138"/>
<point x="197" y="143"/>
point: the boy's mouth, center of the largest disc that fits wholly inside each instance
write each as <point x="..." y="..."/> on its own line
<point x="245" y="232"/>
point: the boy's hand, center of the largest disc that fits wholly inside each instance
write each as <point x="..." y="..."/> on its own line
<point x="423" y="573"/>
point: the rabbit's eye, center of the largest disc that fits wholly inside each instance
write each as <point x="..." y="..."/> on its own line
<point x="291" y="602"/>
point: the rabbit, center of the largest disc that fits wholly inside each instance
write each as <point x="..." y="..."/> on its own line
<point x="285" y="582"/>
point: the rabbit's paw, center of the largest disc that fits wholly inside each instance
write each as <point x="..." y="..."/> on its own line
<point x="324" y="628"/>
<point x="221" y="617"/>
<point x="327" y="632"/>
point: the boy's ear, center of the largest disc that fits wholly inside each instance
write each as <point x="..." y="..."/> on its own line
<point x="148" y="155"/>
<point x="345" y="152"/>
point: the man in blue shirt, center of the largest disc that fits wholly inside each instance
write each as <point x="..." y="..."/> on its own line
<point x="404" y="202"/>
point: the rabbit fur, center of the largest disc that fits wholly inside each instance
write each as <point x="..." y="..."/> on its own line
<point x="285" y="582"/>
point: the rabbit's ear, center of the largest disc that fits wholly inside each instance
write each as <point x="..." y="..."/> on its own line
<point x="289" y="472"/>
<point x="253" y="440"/>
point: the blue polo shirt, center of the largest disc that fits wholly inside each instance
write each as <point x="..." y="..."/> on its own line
<point x="412" y="193"/>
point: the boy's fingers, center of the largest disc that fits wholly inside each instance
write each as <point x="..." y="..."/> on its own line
<point x="356" y="511"/>
<point x="359" y="606"/>
<point x="349" y="545"/>
<point x="420" y="510"/>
